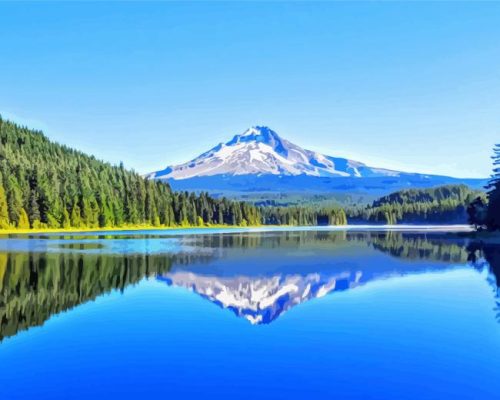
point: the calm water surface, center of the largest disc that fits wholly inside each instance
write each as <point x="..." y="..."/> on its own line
<point x="245" y="314"/>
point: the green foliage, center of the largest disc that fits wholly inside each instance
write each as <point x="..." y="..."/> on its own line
<point x="24" y="222"/>
<point x="46" y="185"/>
<point x="4" y="210"/>
<point x="493" y="212"/>
<point x="477" y="212"/>
<point x="441" y="204"/>
<point x="303" y="216"/>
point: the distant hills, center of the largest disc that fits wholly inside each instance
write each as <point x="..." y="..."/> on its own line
<point x="259" y="160"/>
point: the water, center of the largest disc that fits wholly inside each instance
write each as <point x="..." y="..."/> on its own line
<point x="248" y="314"/>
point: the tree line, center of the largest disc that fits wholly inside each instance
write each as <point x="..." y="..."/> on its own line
<point x="303" y="215"/>
<point x="484" y="212"/>
<point x="446" y="203"/>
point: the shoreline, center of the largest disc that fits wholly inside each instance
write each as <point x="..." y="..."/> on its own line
<point x="118" y="229"/>
<point x="460" y="229"/>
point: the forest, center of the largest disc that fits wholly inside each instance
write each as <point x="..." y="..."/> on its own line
<point x="47" y="185"/>
<point x="442" y="204"/>
<point x="303" y="215"/>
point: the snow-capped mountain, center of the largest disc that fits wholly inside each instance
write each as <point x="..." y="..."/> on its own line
<point x="259" y="160"/>
<point x="261" y="151"/>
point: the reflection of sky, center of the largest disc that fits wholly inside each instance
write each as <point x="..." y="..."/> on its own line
<point x="201" y="231"/>
<point x="96" y="246"/>
<point x="171" y="240"/>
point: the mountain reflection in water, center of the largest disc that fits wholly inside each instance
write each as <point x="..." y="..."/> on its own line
<point x="257" y="275"/>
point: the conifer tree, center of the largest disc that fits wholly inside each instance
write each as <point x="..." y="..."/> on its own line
<point x="493" y="213"/>
<point x="4" y="209"/>
<point x="24" y="222"/>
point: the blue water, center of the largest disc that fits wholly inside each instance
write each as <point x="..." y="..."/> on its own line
<point x="299" y="314"/>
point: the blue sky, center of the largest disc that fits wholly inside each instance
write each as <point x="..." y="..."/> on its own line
<point x="413" y="86"/>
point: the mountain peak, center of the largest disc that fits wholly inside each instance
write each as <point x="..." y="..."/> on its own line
<point x="258" y="134"/>
<point x="259" y="130"/>
<point x="261" y="151"/>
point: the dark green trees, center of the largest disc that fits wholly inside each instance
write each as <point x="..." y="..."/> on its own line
<point x="443" y="204"/>
<point x="298" y="215"/>
<point x="493" y="213"/>
<point x="4" y="211"/>
<point x="486" y="213"/>
<point x="477" y="212"/>
<point x="46" y="185"/>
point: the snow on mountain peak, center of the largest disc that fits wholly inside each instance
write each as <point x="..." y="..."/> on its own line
<point x="259" y="134"/>
<point x="258" y="131"/>
<point x="261" y="151"/>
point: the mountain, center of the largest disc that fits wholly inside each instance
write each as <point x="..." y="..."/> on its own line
<point x="260" y="160"/>
<point x="260" y="151"/>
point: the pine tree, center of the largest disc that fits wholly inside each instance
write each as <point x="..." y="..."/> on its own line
<point x="493" y="214"/>
<point x="4" y="209"/>
<point x="477" y="212"/>
<point x="14" y="199"/>
<point x="24" y="222"/>
<point x="34" y="212"/>
<point x="66" y="222"/>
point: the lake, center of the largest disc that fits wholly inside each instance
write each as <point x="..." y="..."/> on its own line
<point x="278" y="313"/>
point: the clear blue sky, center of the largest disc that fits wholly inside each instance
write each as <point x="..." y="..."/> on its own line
<point x="414" y="86"/>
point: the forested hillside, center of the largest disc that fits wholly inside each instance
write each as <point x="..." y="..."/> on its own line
<point x="443" y="204"/>
<point x="47" y="185"/>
